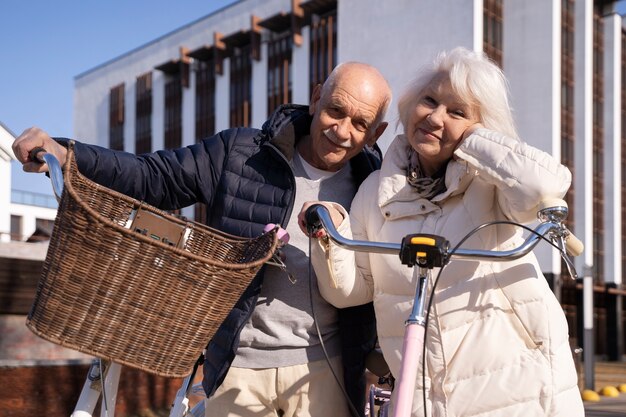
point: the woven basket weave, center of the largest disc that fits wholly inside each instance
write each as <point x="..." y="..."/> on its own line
<point x="111" y="292"/>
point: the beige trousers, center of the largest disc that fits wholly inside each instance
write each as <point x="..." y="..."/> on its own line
<point x="308" y="390"/>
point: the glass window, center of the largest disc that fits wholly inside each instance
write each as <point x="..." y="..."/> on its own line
<point x="323" y="47"/>
<point x="143" y="114"/>
<point x="116" y="118"/>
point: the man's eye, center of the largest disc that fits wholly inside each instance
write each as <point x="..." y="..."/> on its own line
<point x="334" y="111"/>
<point x="361" y="126"/>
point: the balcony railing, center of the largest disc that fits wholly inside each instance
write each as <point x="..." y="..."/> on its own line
<point x="33" y="199"/>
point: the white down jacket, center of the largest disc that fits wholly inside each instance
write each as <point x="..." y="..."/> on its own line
<point x="497" y="342"/>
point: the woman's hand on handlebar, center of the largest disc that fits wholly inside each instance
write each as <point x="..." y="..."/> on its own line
<point x="334" y="214"/>
<point x="36" y="138"/>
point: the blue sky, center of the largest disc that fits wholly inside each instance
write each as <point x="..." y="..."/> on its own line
<point x="44" y="44"/>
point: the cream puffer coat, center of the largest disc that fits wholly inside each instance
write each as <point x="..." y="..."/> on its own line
<point x="497" y="340"/>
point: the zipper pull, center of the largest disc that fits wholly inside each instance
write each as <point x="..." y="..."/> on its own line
<point x="277" y="258"/>
<point x="276" y="261"/>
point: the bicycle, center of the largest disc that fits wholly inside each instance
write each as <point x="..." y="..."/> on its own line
<point x="424" y="252"/>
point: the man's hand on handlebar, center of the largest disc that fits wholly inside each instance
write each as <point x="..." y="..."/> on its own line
<point x="318" y="233"/>
<point x="36" y="138"/>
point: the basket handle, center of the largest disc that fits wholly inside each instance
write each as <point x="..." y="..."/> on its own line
<point x="54" y="168"/>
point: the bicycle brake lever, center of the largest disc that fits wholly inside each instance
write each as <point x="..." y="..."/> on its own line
<point x="570" y="266"/>
<point x="564" y="251"/>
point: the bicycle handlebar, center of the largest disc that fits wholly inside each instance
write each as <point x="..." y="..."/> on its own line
<point x="551" y="213"/>
<point x="54" y="168"/>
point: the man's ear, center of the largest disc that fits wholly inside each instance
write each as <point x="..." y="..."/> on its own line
<point x="379" y="131"/>
<point x="315" y="98"/>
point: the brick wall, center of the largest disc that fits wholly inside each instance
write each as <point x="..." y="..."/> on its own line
<point x="53" y="390"/>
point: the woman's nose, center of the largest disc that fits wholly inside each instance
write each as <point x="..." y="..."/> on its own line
<point x="435" y="118"/>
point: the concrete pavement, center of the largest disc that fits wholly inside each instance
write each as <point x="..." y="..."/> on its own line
<point x="607" y="407"/>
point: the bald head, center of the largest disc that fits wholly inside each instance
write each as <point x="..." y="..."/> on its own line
<point x="348" y="112"/>
<point x="370" y="81"/>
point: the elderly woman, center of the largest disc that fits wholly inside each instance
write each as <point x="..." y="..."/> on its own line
<point x="497" y="338"/>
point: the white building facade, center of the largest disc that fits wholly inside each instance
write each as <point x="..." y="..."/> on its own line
<point x="6" y="156"/>
<point x="564" y="60"/>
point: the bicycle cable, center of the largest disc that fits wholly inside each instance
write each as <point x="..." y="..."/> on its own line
<point x="103" y="383"/>
<point x="351" y="406"/>
<point x="432" y="292"/>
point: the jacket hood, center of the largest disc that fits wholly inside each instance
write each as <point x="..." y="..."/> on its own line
<point x="286" y="125"/>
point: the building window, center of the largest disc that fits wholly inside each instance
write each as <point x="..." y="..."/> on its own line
<point x="323" y="48"/>
<point x="567" y="96"/>
<point x="279" y="51"/>
<point x="143" y="114"/>
<point x="205" y="99"/>
<point x="43" y="230"/>
<point x="492" y="30"/>
<point x="116" y="118"/>
<point x="205" y="115"/>
<point x="16" y="227"/>
<point x="173" y="127"/>
<point x="567" y="110"/>
<point x="598" y="145"/>
<point x="240" y="86"/>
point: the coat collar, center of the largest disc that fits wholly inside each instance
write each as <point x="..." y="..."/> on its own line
<point x="397" y="198"/>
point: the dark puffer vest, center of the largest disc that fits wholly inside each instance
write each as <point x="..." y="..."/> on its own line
<point x="244" y="177"/>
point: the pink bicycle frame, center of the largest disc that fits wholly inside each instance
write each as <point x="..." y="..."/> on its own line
<point x="412" y="346"/>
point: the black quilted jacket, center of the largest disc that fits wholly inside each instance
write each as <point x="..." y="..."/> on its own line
<point x="243" y="176"/>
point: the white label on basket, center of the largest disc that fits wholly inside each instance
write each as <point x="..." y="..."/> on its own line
<point x="131" y="218"/>
<point x="183" y="243"/>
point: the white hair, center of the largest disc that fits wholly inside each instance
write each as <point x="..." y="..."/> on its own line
<point x="475" y="79"/>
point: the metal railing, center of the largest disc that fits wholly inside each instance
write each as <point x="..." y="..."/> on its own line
<point x="30" y="198"/>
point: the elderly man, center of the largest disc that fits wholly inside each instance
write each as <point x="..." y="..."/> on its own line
<point x="279" y="352"/>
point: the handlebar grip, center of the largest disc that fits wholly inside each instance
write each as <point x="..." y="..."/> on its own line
<point x="573" y="245"/>
<point x="552" y="202"/>
<point x="33" y="155"/>
<point x="313" y="222"/>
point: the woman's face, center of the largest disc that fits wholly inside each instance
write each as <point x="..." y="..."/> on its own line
<point x="437" y="123"/>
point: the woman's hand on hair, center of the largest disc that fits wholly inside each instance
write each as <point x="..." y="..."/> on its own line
<point x="467" y="133"/>
<point x="471" y="130"/>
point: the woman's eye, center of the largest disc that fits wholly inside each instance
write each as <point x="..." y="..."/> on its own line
<point x="429" y="100"/>
<point x="458" y="113"/>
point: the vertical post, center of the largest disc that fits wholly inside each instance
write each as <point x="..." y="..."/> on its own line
<point x="588" y="339"/>
<point x="583" y="167"/>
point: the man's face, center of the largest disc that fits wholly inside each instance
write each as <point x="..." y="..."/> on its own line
<point x="343" y="121"/>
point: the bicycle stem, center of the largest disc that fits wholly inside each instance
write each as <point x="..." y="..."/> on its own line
<point x="418" y="312"/>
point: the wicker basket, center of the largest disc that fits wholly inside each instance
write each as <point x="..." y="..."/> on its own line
<point x="137" y="299"/>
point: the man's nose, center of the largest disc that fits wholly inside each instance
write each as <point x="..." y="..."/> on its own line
<point x="343" y="129"/>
